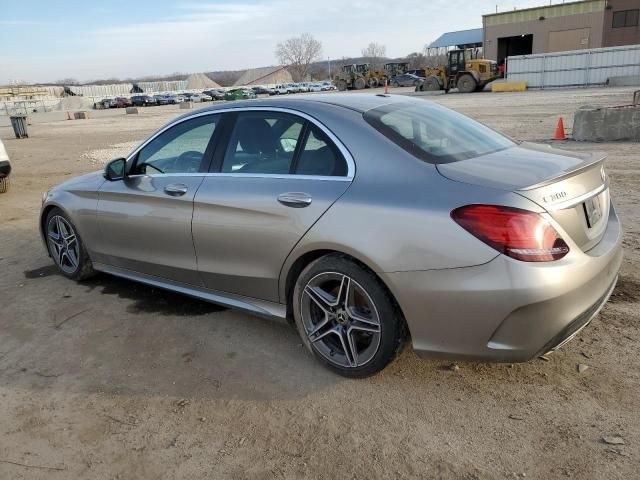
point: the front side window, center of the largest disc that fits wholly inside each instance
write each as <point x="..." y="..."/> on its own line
<point x="433" y="133"/>
<point x="181" y="149"/>
<point x="263" y="142"/>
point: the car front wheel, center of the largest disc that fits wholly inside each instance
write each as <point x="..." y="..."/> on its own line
<point x="346" y="317"/>
<point x="66" y="247"/>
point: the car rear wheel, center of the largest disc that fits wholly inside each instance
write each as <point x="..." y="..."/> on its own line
<point x="345" y="317"/>
<point x="66" y="247"/>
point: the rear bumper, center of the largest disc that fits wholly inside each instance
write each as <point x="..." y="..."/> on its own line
<point x="507" y="310"/>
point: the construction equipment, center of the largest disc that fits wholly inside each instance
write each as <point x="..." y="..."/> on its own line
<point x="463" y="71"/>
<point x="395" y="68"/>
<point x="352" y="77"/>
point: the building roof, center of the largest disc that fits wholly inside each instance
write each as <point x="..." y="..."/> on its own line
<point x="454" y="39"/>
<point x="261" y="75"/>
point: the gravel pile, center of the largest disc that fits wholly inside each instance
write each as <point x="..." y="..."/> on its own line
<point x="101" y="156"/>
<point x="199" y="81"/>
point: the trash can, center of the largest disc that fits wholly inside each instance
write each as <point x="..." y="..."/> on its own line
<point x="19" y="124"/>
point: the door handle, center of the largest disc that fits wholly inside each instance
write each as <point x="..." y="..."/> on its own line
<point x="175" y="189"/>
<point x="295" y="200"/>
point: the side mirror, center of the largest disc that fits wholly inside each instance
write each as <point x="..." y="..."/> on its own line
<point x="114" y="170"/>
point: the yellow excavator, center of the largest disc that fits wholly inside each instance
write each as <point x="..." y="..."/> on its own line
<point x="463" y="71"/>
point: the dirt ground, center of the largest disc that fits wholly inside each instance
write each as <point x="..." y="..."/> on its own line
<point x="108" y="379"/>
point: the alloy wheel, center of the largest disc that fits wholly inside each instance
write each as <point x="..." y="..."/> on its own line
<point x="340" y="319"/>
<point x="63" y="244"/>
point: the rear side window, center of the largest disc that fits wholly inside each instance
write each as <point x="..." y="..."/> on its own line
<point x="320" y="156"/>
<point x="277" y="143"/>
<point x="263" y="142"/>
<point x="433" y="133"/>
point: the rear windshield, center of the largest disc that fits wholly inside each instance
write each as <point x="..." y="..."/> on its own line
<point x="433" y="133"/>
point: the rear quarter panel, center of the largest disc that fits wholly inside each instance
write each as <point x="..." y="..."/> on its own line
<point x="396" y="215"/>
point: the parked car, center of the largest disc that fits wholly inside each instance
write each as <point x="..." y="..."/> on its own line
<point x="215" y="94"/>
<point x="304" y="86"/>
<point x="315" y="87"/>
<point x="162" y="99"/>
<point x="5" y="169"/>
<point x="474" y="246"/>
<point x="239" y="94"/>
<point x="326" y="86"/>
<point x="281" y="90"/>
<point x="192" y="97"/>
<point x="406" y="80"/>
<point x="174" y="99"/>
<point x="122" y="102"/>
<point x="260" y="90"/>
<point x="206" y="97"/>
<point x="143" y="100"/>
<point x="109" y="103"/>
<point x="418" y="73"/>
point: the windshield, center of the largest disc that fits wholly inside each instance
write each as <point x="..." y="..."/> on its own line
<point x="433" y="133"/>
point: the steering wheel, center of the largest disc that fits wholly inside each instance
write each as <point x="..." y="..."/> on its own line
<point x="145" y="164"/>
<point x="188" y="161"/>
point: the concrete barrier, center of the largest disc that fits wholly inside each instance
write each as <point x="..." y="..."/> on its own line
<point x="607" y="124"/>
<point x="624" y="81"/>
<point x="132" y="111"/>
<point x="508" y="86"/>
<point x="81" y="115"/>
<point x="186" y="105"/>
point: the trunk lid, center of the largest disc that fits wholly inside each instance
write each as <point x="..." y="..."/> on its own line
<point x="571" y="186"/>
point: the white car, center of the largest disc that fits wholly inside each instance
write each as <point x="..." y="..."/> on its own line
<point x="282" y="89"/>
<point x="5" y="169"/>
<point x="315" y="87"/>
<point x="326" y="86"/>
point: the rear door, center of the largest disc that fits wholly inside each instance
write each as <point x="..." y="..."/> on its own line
<point x="278" y="174"/>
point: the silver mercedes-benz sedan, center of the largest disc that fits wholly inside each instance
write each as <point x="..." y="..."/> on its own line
<point x="362" y="219"/>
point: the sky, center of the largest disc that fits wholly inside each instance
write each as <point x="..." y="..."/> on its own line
<point x="45" y="41"/>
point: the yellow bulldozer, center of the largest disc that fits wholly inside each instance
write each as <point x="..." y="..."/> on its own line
<point x="463" y="71"/>
<point x="358" y="76"/>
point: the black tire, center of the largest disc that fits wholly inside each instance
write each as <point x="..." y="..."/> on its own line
<point x="390" y="324"/>
<point x="4" y="184"/>
<point x="373" y="82"/>
<point x="342" y="85"/>
<point x="84" y="268"/>
<point x="395" y="84"/>
<point x="466" y="83"/>
<point x="431" y="84"/>
<point x="359" y="83"/>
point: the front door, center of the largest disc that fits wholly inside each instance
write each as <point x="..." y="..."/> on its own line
<point x="145" y="219"/>
<point x="279" y="174"/>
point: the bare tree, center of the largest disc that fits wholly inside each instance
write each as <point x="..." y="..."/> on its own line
<point x="416" y="60"/>
<point x="374" y="52"/>
<point x="297" y="53"/>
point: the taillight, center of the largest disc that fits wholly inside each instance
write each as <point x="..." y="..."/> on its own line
<point x="518" y="233"/>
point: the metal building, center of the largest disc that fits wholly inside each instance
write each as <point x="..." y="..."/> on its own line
<point x="561" y="27"/>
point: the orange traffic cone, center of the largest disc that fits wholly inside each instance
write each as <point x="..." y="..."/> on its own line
<point x="560" y="131"/>
<point x="69" y="116"/>
<point x="386" y="86"/>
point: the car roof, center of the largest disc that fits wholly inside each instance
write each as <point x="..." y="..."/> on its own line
<point x="360" y="102"/>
